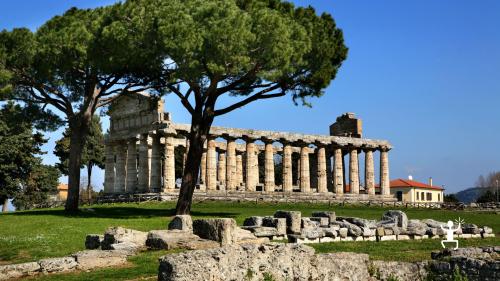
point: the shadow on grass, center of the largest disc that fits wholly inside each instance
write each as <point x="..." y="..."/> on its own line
<point x="119" y="212"/>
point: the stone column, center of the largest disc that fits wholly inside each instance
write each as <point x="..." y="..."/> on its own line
<point x="109" y="173"/>
<point x="369" y="172"/>
<point x="144" y="168"/>
<point x="221" y="170"/>
<point x="354" y="171"/>
<point x="211" y="165"/>
<point x="305" y="183"/>
<point x="251" y="181"/>
<point x="203" y="169"/>
<point x="231" y="178"/>
<point x="338" y="173"/>
<point x="155" y="179"/>
<point x="269" y="182"/>
<point x="132" y="166"/>
<point x="169" y="171"/>
<point x="121" y="172"/>
<point x="384" y="172"/>
<point x="239" y="169"/>
<point x="322" y="180"/>
<point x="287" y="168"/>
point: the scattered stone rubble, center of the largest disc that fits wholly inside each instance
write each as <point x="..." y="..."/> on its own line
<point x="118" y="243"/>
<point x="225" y="251"/>
<point x="299" y="262"/>
<point x="327" y="227"/>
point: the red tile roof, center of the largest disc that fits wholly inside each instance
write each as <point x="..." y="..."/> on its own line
<point x="411" y="183"/>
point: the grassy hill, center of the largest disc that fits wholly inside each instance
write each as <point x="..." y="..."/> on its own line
<point x="32" y="235"/>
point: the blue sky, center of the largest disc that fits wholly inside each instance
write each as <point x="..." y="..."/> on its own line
<point x="422" y="74"/>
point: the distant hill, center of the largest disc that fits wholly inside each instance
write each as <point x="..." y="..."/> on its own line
<point x="471" y="194"/>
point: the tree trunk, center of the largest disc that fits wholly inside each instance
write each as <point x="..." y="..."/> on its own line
<point x="198" y="134"/>
<point x="5" y="206"/>
<point x="79" y="126"/>
<point x="89" y="186"/>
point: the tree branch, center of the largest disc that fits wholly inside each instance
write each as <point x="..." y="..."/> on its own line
<point x="184" y="100"/>
<point x="258" y="96"/>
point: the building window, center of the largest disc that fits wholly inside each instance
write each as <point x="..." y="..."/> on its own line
<point x="439" y="197"/>
<point x="422" y="196"/>
<point x="429" y="196"/>
<point x="418" y="196"/>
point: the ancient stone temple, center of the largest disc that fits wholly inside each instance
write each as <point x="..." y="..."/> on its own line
<point x="142" y="140"/>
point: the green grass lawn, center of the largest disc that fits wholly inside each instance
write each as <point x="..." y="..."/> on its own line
<point x="32" y="235"/>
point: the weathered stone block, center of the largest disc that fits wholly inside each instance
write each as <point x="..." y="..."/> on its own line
<point x="368" y="231"/>
<point x="325" y="214"/>
<point x="18" y="270"/>
<point x="348" y="238"/>
<point x="330" y="232"/>
<point x="115" y="235"/>
<point x="221" y="230"/>
<point x="343" y="232"/>
<point x="398" y="217"/>
<point x="312" y="233"/>
<point x="354" y="230"/>
<point x="181" y="222"/>
<point x="321" y="220"/>
<point x="307" y="223"/>
<point x="91" y="259"/>
<point x="93" y="241"/>
<point x="169" y="239"/>
<point x="380" y="231"/>
<point x="387" y="238"/>
<point x="403" y="237"/>
<point x="469" y="228"/>
<point x="57" y="264"/>
<point x="487" y="230"/>
<point x="253" y="221"/>
<point x="359" y="221"/>
<point x="388" y="231"/>
<point x="293" y="220"/>
<point x="278" y="223"/>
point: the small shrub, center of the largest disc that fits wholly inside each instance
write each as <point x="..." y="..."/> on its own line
<point x="392" y="278"/>
<point x="268" y="277"/>
<point x="249" y="274"/>
<point x="457" y="275"/>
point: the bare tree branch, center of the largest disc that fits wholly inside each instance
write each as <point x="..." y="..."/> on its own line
<point x="258" y="96"/>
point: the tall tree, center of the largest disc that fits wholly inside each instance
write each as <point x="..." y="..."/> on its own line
<point x="92" y="153"/>
<point x="248" y="49"/>
<point x="20" y="146"/>
<point x="40" y="183"/>
<point x="65" y="65"/>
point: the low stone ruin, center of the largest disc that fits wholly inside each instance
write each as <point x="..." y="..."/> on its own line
<point x="327" y="227"/>
<point x="224" y="251"/>
<point x="118" y="243"/>
<point x="278" y="261"/>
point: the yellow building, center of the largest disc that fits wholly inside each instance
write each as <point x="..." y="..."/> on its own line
<point x="416" y="192"/>
<point x="62" y="191"/>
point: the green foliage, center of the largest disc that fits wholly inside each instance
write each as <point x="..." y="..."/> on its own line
<point x="93" y="151"/>
<point x="392" y="278"/>
<point x="268" y="276"/>
<point x="22" y="176"/>
<point x="65" y="65"/>
<point x="42" y="181"/>
<point x="249" y="275"/>
<point x="242" y="45"/>
<point x="457" y="275"/>
<point x="487" y="196"/>
<point x="450" y="198"/>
